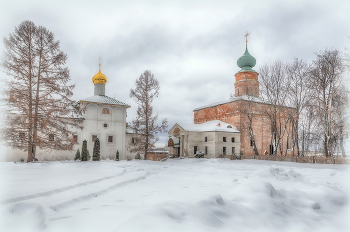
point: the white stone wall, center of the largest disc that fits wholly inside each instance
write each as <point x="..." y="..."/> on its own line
<point x="93" y="125"/>
<point x="215" y="144"/>
<point x="116" y="126"/>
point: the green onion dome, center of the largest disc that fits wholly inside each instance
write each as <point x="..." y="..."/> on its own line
<point x="246" y="62"/>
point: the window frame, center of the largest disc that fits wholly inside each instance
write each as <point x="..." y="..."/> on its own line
<point x="224" y="139"/>
<point x="75" y="139"/>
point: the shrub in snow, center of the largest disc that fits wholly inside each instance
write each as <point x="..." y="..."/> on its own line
<point x="117" y="156"/>
<point x="96" y="151"/>
<point x="84" y="152"/>
<point x="77" y="155"/>
<point x="128" y="158"/>
<point x="137" y="156"/>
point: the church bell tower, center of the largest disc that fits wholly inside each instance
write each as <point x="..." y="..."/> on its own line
<point x="247" y="82"/>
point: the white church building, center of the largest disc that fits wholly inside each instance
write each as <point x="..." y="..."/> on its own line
<point x="103" y="117"/>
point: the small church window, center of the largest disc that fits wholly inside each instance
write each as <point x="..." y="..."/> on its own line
<point x="224" y="139"/>
<point x="110" y="139"/>
<point x="233" y="139"/>
<point x="224" y="150"/>
<point x="75" y="138"/>
<point x="105" y="125"/>
<point x="205" y="139"/>
<point x="105" y="111"/>
<point x="205" y="150"/>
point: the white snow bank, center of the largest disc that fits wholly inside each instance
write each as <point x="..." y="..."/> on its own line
<point x="176" y="195"/>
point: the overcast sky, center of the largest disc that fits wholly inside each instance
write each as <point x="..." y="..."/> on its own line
<point x="191" y="47"/>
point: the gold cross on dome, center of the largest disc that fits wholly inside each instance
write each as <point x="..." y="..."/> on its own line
<point x="246" y="37"/>
<point x="99" y="61"/>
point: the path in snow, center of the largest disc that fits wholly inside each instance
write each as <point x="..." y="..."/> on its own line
<point x="176" y="195"/>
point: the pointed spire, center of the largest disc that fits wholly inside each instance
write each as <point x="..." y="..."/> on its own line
<point x="99" y="64"/>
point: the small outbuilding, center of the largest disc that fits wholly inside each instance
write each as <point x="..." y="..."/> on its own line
<point x="213" y="138"/>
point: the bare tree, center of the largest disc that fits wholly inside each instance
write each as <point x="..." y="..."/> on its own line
<point x="274" y="90"/>
<point x="145" y="126"/>
<point x="298" y="97"/>
<point x="326" y="78"/>
<point x="251" y="114"/>
<point x="340" y="129"/>
<point x="39" y="108"/>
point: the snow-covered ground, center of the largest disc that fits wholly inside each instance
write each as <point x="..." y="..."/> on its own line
<point x="175" y="195"/>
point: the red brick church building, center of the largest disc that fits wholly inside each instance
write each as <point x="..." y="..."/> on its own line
<point x="249" y="113"/>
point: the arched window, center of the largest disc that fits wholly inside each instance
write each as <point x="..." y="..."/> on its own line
<point x="105" y="111"/>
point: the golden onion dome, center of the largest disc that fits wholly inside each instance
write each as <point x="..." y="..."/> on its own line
<point x="99" y="78"/>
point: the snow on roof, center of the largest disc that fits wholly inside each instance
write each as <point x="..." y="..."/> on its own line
<point x="215" y="125"/>
<point x="240" y="98"/>
<point x="102" y="99"/>
<point x="244" y="97"/>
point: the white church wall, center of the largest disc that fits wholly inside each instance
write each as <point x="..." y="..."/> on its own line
<point x="115" y="121"/>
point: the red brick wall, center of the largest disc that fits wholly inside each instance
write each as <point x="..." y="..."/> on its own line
<point x="247" y="83"/>
<point x="234" y="113"/>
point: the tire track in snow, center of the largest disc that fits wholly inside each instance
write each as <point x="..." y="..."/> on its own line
<point x="98" y="193"/>
<point x="59" y="190"/>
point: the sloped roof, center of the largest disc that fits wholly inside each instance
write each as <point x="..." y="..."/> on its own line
<point x="214" y="125"/>
<point x="102" y="99"/>
<point x="243" y="97"/>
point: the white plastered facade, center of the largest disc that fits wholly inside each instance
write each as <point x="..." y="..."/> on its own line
<point x="213" y="138"/>
<point x="103" y="117"/>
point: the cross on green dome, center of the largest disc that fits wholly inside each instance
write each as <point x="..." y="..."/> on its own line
<point x="246" y="62"/>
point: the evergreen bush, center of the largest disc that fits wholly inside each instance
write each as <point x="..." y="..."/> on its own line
<point x="117" y="156"/>
<point x="84" y="152"/>
<point x="77" y="155"/>
<point x="96" y="151"/>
